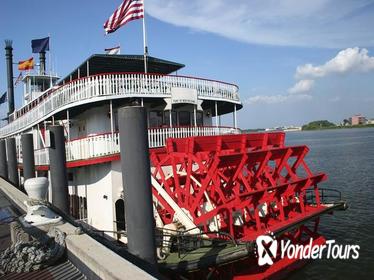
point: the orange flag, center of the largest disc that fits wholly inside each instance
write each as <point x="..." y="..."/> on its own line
<point x="26" y="64"/>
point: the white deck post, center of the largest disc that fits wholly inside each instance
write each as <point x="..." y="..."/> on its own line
<point x="88" y="68"/>
<point x="234" y="116"/>
<point x="111" y="118"/>
<point x="170" y="118"/>
<point x="68" y="121"/>
<point x="216" y="113"/>
<point x="194" y="115"/>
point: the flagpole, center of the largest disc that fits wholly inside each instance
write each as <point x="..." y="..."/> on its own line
<point x="145" y="41"/>
<point x="50" y="60"/>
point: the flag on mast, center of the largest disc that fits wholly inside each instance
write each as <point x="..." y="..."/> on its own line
<point x="129" y="10"/>
<point x="26" y="64"/>
<point x="115" y="50"/>
<point x="3" y="98"/>
<point x="40" y="45"/>
<point x="19" y="78"/>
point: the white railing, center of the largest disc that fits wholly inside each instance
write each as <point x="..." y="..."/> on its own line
<point x="157" y="136"/>
<point x="108" y="144"/>
<point x="41" y="157"/>
<point x="114" y="86"/>
<point x="92" y="147"/>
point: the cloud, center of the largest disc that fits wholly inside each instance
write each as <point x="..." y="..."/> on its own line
<point x="299" y="92"/>
<point x="318" y="23"/>
<point x="301" y="87"/>
<point x="276" y="99"/>
<point x="346" y="61"/>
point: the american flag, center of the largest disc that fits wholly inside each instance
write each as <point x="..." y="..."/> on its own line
<point x="19" y="78"/>
<point x="127" y="11"/>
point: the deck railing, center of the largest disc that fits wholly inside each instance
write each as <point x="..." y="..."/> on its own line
<point x="107" y="144"/>
<point x="106" y="86"/>
<point x="92" y="147"/>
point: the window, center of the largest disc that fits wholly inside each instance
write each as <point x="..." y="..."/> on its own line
<point x="115" y="117"/>
<point x="199" y="118"/>
<point x="184" y="118"/>
<point x="167" y="118"/>
<point x="155" y="119"/>
<point x="70" y="176"/>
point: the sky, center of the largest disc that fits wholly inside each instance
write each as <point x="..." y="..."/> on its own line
<point x="294" y="61"/>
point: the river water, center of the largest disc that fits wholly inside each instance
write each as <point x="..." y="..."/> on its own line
<point x="347" y="156"/>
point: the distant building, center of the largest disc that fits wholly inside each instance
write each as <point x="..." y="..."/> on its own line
<point x="358" y="119"/>
<point x="371" y="121"/>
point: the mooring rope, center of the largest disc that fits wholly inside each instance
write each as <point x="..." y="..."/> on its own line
<point x="34" y="255"/>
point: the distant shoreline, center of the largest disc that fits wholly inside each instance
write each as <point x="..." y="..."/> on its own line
<point x="340" y="127"/>
<point x="312" y="129"/>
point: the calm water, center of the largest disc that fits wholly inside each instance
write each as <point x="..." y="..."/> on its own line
<point x="347" y="156"/>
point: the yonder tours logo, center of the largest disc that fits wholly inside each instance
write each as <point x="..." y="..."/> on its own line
<point x="267" y="249"/>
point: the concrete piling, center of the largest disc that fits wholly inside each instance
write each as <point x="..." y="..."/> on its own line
<point x="137" y="183"/>
<point x="57" y="163"/>
<point x="12" y="161"/>
<point x="3" y="160"/>
<point x="28" y="160"/>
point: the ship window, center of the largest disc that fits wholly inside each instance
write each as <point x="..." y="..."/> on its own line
<point x="155" y="118"/>
<point x="115" y="117"/>
<point x="167" y="118"/>
<point x="184" y="118"/>
<point x="199" y="118"/>
<point x="70" y="176"/>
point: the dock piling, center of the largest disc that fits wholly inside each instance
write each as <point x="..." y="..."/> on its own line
<point x="136" y="180"/>
<point x="57" y="163"/>
<point x="11" y="152"/>
<point x="3" y="160"/>
<point x="28" y="160"/>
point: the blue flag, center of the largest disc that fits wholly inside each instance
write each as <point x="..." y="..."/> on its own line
<point x="3" y="98"/>
<point x="40" y="45"/>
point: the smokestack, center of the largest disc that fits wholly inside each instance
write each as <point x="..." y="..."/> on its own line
<point x="42" y="63"/>
<point x="9" y="64"/>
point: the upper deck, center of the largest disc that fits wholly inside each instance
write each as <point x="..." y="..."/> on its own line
<point x="85" y="85"/>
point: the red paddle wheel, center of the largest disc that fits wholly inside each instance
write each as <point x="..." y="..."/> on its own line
<point x="244" y="185"/>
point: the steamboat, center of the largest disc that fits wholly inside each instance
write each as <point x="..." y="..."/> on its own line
<point x="215" y="190"/>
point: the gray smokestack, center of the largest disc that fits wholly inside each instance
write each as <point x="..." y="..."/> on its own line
<point x="42" y="63"/>
<point x="9" y="66"/>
